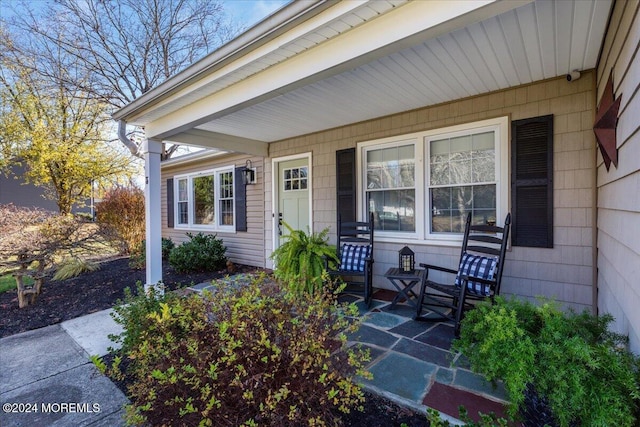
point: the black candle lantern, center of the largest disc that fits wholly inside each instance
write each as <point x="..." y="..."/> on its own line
<point x="406" y="260"/>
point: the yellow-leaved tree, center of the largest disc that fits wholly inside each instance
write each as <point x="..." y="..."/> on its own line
<point x="58" y="132"/>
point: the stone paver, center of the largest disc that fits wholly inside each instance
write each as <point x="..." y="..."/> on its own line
<point x="402" y="375"/>
<point x="369" y="335"/>
<point x="423" y="352"/>
<point x="412" y="362"/>
<point x="384" y="320"/>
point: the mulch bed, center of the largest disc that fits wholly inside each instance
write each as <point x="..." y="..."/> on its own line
<point x="101" y="289"/>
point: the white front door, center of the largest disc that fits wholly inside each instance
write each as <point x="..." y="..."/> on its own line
<point x="293" y="188"/>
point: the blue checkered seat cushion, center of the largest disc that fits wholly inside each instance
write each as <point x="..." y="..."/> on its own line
<point x="353" y="257"/>
<point x="476" y="266"/>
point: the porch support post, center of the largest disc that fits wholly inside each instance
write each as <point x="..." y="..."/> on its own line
<point x="152" y="150"/>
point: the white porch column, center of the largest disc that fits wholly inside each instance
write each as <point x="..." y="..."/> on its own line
<point x="151" y="151"/>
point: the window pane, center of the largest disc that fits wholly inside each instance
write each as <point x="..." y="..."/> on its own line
<point x="226" y="198"/>
<point x="226" y="185"/>
<point x="393" y="209"/>
<point x="450" y="206"/>
<point x="183" y="216"/>
<point x="226" y="212"/>
<point x="460" y="169"/>
<point x="391" y="167"/>
<point x="203" y="200"/>
<point x="484" y="196"/>
<point x="182" y="190"/>
<point x="461" y="144"/>
<point x="484" y="154"/>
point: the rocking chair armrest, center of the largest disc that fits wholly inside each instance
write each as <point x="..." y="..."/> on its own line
<point x="466" y="277"/>
<point x="437" y="267"/>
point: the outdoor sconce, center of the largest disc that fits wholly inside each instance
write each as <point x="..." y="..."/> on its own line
<point x="406" y="260"/>
<point x="249" y="173"/>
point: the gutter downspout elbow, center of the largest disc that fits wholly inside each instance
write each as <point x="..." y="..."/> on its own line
<point x="122" y="136"/>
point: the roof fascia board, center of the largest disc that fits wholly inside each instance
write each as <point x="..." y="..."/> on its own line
<point x="263" y="32"/>
<point x="403" y="26"/>
<point x="192" y="158"/>
<point x="220" y="141"/>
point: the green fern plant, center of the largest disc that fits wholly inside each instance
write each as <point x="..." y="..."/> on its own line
<point x="300" y="260"/>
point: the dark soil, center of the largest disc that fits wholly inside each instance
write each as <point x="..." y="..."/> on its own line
<point x="101" y="289"/>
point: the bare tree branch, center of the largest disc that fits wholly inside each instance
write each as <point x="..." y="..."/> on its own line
<point x="125" y="47"/>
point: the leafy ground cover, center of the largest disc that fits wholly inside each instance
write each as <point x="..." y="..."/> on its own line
<point x="100" y="289"/>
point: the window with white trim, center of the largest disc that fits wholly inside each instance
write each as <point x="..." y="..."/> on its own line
<point x="421" y="186"/>
<point x="205" y="200"/>
<point x="390" y="185"/>
<point x="461" y="179"/>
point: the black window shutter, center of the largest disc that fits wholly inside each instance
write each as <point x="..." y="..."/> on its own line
<point x="346" y="184"/>
<point x="240" y="194"/>
<point x="532" y="182"/>
<point x="170" y="203"/>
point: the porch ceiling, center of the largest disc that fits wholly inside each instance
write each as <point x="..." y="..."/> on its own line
<point x="355" y="61"/>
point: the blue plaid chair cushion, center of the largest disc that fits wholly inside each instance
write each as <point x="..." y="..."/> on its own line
<point x="352" y="257"/>
<point x="477" y="266"/>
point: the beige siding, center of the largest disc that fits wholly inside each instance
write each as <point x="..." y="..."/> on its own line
<point x="618" y="220"/>
<point x="565" y="272"/>
<point x="243" y="247"/>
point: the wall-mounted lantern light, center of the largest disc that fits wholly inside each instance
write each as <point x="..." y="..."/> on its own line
<point x="249" y="173"/>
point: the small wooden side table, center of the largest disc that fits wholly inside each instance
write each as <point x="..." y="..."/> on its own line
<point x="404" y="283"/>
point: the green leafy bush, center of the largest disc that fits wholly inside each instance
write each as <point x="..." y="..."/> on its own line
<point x="133" y="314"/>
<point x="203" y="252"/>
<point x="570" y="359"/>
<point x="244" y="356"/>
<point x="300" y="260"/>
<point x="121" y="216"/>
<point x="138" y="258"/>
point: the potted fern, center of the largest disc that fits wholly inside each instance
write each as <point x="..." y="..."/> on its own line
<point x="300" y="260"/>
<point x="559" y="369"/>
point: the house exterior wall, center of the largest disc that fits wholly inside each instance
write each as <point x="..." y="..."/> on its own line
<point x="243" y="247"/>
<point x="564" y="272"/>
<point x="14" y="190"/>
<point x="618" y="214"/>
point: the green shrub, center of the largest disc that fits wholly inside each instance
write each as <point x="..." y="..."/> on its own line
<point x="138" y="258"/>
<point x="570" y="359"/>
<point x="244" y="356"/>
<point x="121" y="216"/>
<point x="300" y="260"/>
<point x="133" y="312"/>
<point x="73" y="267"/>
<point x="203" y="252"/>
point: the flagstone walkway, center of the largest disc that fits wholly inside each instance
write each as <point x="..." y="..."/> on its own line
<point x="412" y="362"/>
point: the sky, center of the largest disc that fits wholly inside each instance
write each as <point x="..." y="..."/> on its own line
<point x="249" y="12"/>
<point x="245" y="12"/>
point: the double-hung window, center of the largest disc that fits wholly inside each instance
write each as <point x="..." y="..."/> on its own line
<point x="205" y="200"/>
<point x="461" y="180"/>
<point x="391" y="185"/>
<point x="421" y="186"/>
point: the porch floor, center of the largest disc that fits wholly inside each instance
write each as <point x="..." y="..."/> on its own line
<point x="412" y="362"/>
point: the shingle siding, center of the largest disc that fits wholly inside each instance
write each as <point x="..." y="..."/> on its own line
<point x="618" y="214"/>
<point x="565" y="272"/>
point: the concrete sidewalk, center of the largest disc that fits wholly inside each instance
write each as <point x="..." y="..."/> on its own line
<point x="47" y="379"/>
